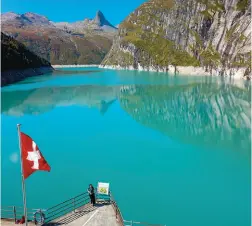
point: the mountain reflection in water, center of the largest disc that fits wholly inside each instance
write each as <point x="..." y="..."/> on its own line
<point x="207" y="114"/>
<point x="41" y="100"/>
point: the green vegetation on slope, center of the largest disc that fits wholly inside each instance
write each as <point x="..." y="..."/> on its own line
<point x="16" y="56"/>
<point x="59" y="48"/>
<point x="159" y="50"/>
<point x="206" y="33"/>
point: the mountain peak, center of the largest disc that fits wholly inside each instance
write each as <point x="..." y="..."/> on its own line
<point x="100" y="19"/>
<point x="99" y="12"/>
<point x="36" y="18"/>
<point x="9" y="16"/>
<point x="10" y="13"/>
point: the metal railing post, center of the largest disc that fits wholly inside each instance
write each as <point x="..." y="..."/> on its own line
<point x="41" y="217"/>
<point x="131" y="223"/>
<point x="15" y="214"/>
<point x="34" y="218"/>
<point x="74" y="205"/>
<point x="116" y="214"/>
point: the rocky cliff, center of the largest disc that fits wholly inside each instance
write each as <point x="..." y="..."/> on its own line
<point x="82" y="42"/>
<point x="164" y="34"/>
<point x="18" y="62"/>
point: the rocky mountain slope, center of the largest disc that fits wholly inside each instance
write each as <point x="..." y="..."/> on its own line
<point x="84" y="42"/>
<point x="18" y="62"/>
<point x="97" y="26"/>
<point x="213" y="34"/>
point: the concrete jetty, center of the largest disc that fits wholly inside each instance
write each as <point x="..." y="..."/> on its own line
<point x="76" y="211"/>
<point x="102" y="214"/>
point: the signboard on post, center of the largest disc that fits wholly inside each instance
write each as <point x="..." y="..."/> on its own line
<point x="103" y="188"/>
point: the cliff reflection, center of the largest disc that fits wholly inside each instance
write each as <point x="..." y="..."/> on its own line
<point x="205" y="114"/>
<point x="37" y="101"/>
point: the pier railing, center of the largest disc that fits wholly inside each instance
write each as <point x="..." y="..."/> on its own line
<point x="42" y="216"/>
<point x="136" y="223"/>
<point x="16" y="212"/>
<point x="71" y="205"/>
<point x="66" y="207"/>
<point x="118" y="213"/>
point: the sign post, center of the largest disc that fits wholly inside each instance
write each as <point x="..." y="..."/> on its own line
<point x="103" y="188"/>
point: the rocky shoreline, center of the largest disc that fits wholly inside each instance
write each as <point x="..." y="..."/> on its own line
<point x="75" y="66"/>
<point x="195" y="35"/>
<point x="234" y="73"/>
<point x="188" y="70"/>
<point x="13" y="76"/>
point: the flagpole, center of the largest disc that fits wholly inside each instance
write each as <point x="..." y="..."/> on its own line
<point x="22" y="175"/>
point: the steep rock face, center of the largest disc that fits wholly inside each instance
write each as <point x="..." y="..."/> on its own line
<point x="100" y="20"/>
<point x="18" y="62"/>
<point x="60" y="43"/>
<point x="213" y="34"/>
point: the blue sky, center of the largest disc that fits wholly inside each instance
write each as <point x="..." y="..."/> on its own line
<point x="72" y="10"/>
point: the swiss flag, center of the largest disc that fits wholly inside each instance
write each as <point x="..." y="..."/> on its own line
<point x="32" y="158"/>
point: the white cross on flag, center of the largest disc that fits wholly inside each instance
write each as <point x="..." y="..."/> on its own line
<point x="32" y="158"/>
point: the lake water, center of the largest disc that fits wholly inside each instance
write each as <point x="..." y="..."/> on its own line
<point x="175" y="150"/>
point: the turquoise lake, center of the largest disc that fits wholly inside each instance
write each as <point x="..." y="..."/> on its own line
<point x="175" y="149"/>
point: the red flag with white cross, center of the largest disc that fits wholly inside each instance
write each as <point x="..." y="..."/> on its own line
<point x="32" y="158"/>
